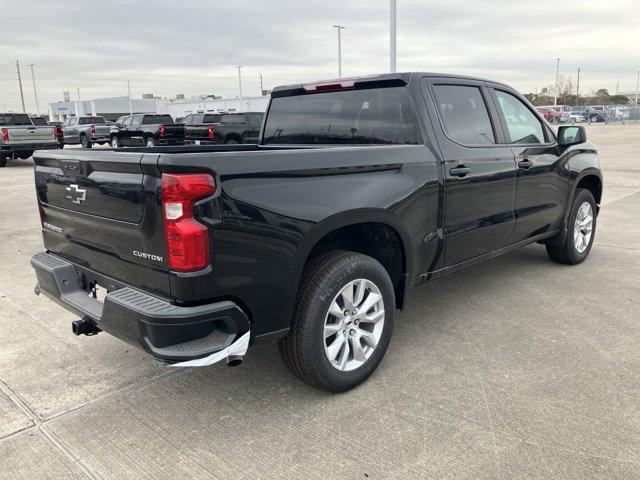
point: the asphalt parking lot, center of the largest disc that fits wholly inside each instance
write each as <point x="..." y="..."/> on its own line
<point x="516" y="368"/>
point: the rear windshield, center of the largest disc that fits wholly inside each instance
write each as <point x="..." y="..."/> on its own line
<point x="39" y="122"/>
<point x="157" y="119"/>
<point x="91" y="120"/>
<point x="369" y="116"/>
<point x="211" y="118"/>
<point x="14" y="119"/>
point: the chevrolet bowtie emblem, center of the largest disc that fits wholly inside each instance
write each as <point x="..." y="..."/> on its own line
<point x="76" y="194"/>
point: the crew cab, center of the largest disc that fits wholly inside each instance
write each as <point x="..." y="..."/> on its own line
<point x="146" y="130"/>
<point x="85" y="131"/>
<point x="19" y="137"/>
<point x="359" y="190"/>
<point x="229" y="128"/>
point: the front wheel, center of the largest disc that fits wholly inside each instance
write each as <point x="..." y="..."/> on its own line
<point x="343" y="321"/>
<point x="581" y="229"/>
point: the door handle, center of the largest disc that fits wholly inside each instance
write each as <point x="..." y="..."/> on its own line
<point x="525" y="163"/>
<point x="460" y="171"/>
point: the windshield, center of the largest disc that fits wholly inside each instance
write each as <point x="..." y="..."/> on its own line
<point x="14" y="119"/>
<point x="367" y="116"/>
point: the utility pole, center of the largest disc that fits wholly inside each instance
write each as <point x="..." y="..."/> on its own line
<point x="24" y="110"/>
<point x="392" y="37"/>
<point x="239" y="67"/>
<point x="339" y="27"/>
<point x="555" y="98"/>
<point x="129" y="96"/>
<point x="35" y="92"/>
<point x="578" y="88"/>
<point x="261" y="85"/>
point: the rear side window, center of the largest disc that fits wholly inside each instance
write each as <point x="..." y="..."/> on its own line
<point x="522" y="124"/>
<point x="157" y="119"/>
<point x="14" y="119"/>
<point x="464" y="114"/>
<point x="366" y="116"/>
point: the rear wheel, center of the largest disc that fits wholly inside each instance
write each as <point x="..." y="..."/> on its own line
<point x="115" y="143"/>
<point x="343" y="321"/>
<point x="581" y="229"/>
<point x="150" y="142"/>
<point x="232" y="142"/>
<point x="85" y="142"/>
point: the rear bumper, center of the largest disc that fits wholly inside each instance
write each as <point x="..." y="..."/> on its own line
<point x="200" y="142"/>
<point x="25" y="147"/>
<point x="199" y="335"/>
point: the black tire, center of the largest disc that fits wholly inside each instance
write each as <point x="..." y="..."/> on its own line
<point x="85" y="142"/>
<point x="150" y="142"/>
<point x="303" y="349"/>
<point x="3" y="160"/>
<point x="567" y="253"/>
<point x="231" y="141"/>
<point x="115" y="143"/>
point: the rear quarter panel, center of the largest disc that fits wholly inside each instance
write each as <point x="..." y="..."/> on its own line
<point x="273" y="205"/>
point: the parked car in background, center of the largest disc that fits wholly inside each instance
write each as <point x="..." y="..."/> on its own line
<point x="575" y="117"/>
<point x="224" y="128"/>
<point x="549" y="114"/>
<point x="142" y="129"/>
<point x="19" y="137"/>
<point x="85" y="130"/>
<point x="358" y="190"/>
<point x="595" y="114"/>
<point x="557" y="113"/>
<point x="619" y="113"/>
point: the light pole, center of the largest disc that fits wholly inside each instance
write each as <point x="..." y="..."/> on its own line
<point x="578" y="88"/>
<point x="637" y="88"/>
<point x="555" y="98"/>
<point x="24" y="110"/>
<point x="261" y="85"/>
<point x="339" y="28"/>
<point x="392" y="37"/>
<point x="129" y="96"/>
<point x="35" y="92"/>
<point x="239" y="67"/>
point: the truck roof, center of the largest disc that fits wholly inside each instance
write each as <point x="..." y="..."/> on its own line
<point x="401" y="78"/>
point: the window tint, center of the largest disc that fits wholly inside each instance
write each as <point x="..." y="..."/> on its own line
<point x="375" y="115"/>
<point x="156" y="119"/>
<point x="91" y="120"/>
<point x="523" y="125"/>
<point x="15" y="119"/>
<point x="464" y="114"/>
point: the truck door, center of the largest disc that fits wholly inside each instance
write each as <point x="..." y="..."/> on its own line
<point x="71" y="130"/>
<point x="479" y="169"/>
<point x="542" y="185"/>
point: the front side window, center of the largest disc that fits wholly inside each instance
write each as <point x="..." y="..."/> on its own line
<point x="363" y="116"/>
<point x="128" y="121"/>
<point x="522" y="124"/>
<point x="464" y="114"/>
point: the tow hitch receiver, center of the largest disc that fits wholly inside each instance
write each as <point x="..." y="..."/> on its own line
<point x="84" y="326"/>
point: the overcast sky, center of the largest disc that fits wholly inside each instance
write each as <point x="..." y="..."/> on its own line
<point x="167" y="47"/>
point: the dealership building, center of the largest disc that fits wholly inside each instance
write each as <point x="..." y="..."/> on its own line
<point x="114" y="107"/>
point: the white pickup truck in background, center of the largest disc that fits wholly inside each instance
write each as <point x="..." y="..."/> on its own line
<point x="19" y="137"/>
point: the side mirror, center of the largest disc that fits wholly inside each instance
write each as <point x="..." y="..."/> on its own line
<point x="571" y="135"/>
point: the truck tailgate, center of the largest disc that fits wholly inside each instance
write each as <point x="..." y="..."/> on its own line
<point x="94" y="213"/>
<point x="31" y="134"/>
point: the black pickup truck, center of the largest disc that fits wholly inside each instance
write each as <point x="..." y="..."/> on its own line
<point x="358" y="190"/>
<point x="224" y="128"/>
<point x="147" y="130"/>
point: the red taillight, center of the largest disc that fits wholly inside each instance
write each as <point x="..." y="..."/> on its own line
<point x="55" y="133"/>
<point x="93" y="129"/>
<point x="5" y="134"/>
<point x="162" y="130"/>
<point x="210" y="134"/>
<point x="187" y="239"/>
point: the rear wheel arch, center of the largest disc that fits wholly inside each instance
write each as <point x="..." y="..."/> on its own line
<point x="378" y="235"/>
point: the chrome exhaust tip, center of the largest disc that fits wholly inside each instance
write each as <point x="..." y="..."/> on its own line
<point x="234" y="360"/>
